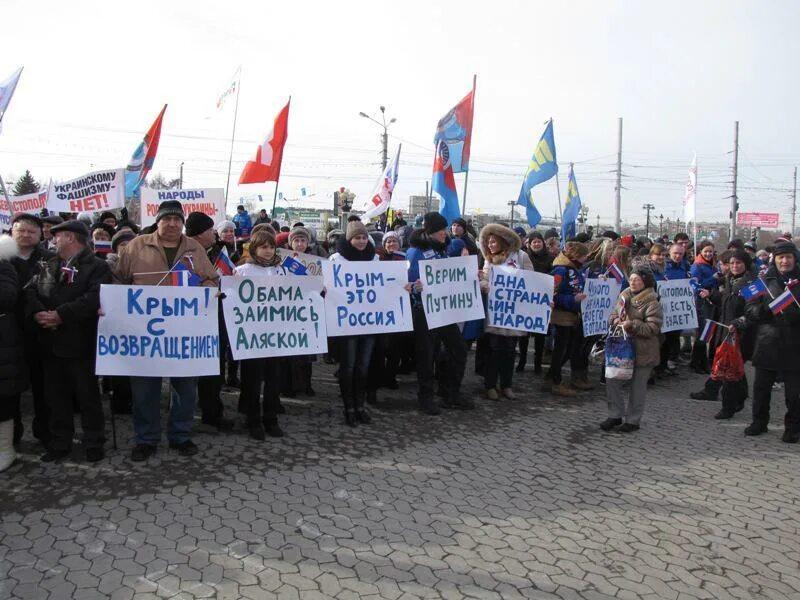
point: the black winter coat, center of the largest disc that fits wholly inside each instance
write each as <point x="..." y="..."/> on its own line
<point x="76" y="303"/>
<point x="13" y="375"/>
<point x="26" y="270"/>
<point x="542" y="261"/>
<point x="731" y="307"/>
<point x="777" y="344"/>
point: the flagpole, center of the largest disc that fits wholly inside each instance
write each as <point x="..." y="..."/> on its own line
<point x="558" y="191"/>
<point x="466" y="174"/>
<point x="233" y="133"/>
<point x="8" y="200"/>
<point x="275" y="195"/>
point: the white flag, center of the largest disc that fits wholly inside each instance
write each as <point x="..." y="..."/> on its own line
<point x="6" y="91"/>
<point x="689" y="194"/>
<point x="231" y="89"/>
<point x="382" y="196"/>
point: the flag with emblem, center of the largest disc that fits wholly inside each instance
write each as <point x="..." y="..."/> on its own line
<point x="143" y="157"/>
<point x="542" y="166"/>
<point x="455" y="129"/>
<point x="267" y="164"/>
<point x="571" y="209"/>
<point x="754" y="289"/>
<point x="382" y="196"/>
<point x="443" y="184"/>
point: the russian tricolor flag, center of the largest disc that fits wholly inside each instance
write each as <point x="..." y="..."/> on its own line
<point x="782" y="302"/>
<point x="616" y="272"/>
<point x="708" y="332"/>
<point x="102" y="247"/>
<point x="223" y="263"/>
<point x="181" y="276"/>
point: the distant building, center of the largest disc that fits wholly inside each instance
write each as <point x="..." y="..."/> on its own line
<point x="418" y="205"/>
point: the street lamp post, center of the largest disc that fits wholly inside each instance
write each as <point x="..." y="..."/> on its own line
<point x="384" y="136"/>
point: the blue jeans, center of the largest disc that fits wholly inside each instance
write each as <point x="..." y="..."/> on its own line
<point x="147" y="409"/>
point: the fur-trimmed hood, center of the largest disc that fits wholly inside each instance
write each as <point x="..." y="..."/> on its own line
<point x="8" y="247"/>
<point x="509" y="236"/>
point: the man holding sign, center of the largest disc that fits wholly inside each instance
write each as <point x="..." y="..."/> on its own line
<point x="153" y="259"/>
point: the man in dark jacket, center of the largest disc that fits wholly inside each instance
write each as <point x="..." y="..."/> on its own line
<point x="777" y="345"/>
<point x="63" y="299"/>
<point x="26" y="230"/>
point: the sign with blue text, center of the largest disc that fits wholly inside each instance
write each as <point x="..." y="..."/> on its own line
<point x="450" y="290"/>
<point x="601" y="297"/>
<point x="519" y="299"/>
<point x="210" y="201"/>
<point x="274" y="316"/>
<point x="155" y="331"/>
<point x="677" y="304"/>
<point x="366" y="297"/>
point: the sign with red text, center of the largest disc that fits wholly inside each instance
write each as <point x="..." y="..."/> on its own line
<point x="93" y="192"/>
<point x="757" y="219"/>
<point x="27" y="203"/>
<point x="210" y="201"/>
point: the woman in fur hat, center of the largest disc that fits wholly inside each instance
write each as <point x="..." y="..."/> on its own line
<point x="501" y="247"/>
<point x="638" y="312"/>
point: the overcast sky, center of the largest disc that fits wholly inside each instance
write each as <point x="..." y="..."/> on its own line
<point x="679" y="73"/>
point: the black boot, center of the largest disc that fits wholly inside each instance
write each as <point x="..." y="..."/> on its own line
<point x="350" y="418"/>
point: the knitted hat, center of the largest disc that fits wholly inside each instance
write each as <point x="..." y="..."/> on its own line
<point x="282" y="239"/>
<point x="627" y="241"/>
<point x="126" y="235"/>
<point x="335" y="233"/>
<point x="390" y="235"/>
<point x="520" y="231"/>
<point x="355" y="228"/>
<point x="433" y="222"/>
<point x="223" y="225"/>
<point x="646" y="273"/>
<point x="170" y="208"/>
<point x="297" y="232"/>
<point x="198" y="222"/>
<point x="459" y="221"/>
<point x="784" y="247"/>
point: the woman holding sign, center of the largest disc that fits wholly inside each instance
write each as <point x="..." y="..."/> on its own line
<point x="500" y="246"/>
<point x="356" y="350"/>
<point x="262" y="416"/>
<point x="638" y="312"/>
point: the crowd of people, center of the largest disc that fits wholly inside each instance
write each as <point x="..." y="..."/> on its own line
<point x="51" y="270"/>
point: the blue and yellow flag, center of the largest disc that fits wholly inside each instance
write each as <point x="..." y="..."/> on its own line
<point x="571" y="209"/>
<point x="543" y="166"/>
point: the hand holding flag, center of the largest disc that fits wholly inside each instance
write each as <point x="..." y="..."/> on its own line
<point x="754" y="289"/>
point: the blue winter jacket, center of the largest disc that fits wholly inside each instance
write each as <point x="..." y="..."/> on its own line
<point x="674" y="270"/>
<point x="568" y="281"/>
<point x="705" y="274"/>
<point x="244" y="223"/>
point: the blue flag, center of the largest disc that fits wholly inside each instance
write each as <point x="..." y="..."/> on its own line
<point x="443" y="184"/>
<point x="571" y="209"/>
<point x="543" y="166"/>
<point x="754" y="289"/>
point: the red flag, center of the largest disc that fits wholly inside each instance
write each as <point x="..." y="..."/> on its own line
<point x="143" y="157"/>
<point x="267" y="164"/>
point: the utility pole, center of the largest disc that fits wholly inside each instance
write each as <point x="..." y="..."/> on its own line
<point x="661" y="225"/>
<point x="598" y="222"/>
<point x="384" y="136"/>
<point x="794" y="201"/>
<point x="512" y="204"/>
<point x="648" y="207"/>
<point x="618" y="188"/>
<point x="734" y="196"/>
<point x="180" y="177"/>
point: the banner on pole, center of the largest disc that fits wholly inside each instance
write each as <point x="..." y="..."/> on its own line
<point x="155" y="331"/>
<point x="519" y="299"/>
<point x="300" y="263"/>
<point x="210" y="201"/>
<point x="362" y="298"/>
<point x="27" y="203"/>
<point x="450" y="291"/>
<point x="274" y="316"/>
<point x="93" y="192"/>
<point x="601" y="297"/>
<point x="677" y="304"/>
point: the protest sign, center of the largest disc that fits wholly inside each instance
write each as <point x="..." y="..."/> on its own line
<point x="519" y="299"/>
<point x="210" y="201"/>
<point x="601" y="297"/>
<point x="154" y="331"/>
<point x="450" y="290"/>
<point x="677" y="304"/>
<point x="27" y="203"/>
<point x="300" y="263"/>
<point x="274" y="316"/>
<point x="93" y="192"/>
<point x="366" y="297"/>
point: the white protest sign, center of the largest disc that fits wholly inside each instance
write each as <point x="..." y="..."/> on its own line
<point x="155" y="331"/>
<point x="519" y="299"/>
<point x="93" y="192"/>
<point x="274" y="316"/>
<point x="677" y="304"/>
<point x="450" y="290"/>
<point x="366" y="297"/>
<point x="27" y="203"/>
<point x="210" y="201"/>
<point x="300" y="263"/>
<point x="601" y="297"/>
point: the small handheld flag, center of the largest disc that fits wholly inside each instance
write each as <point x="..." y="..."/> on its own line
<point x="223" y="263"/>
<point x="102" y="247"/>
<point x="69" y="273"/>
<point x="782" y="302"/>
<point x="187" y="262"/>
<point x="616" y="272"/>
<point x="708" y="332"/>
<point x="294" y="266"/>
<point x="754" y="289"/>
<point x="180" y="275"/>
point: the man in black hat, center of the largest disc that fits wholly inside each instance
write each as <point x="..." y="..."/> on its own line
<point x="430" y="243"/>
<point x="63" y="300"/>
<point x="27" y="232"/>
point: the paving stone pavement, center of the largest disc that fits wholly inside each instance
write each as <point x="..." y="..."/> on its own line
<point x="517" y="499"/>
